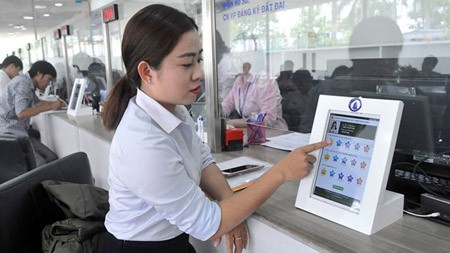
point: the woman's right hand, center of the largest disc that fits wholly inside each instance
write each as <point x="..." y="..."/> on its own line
<point x="297" y="164"/>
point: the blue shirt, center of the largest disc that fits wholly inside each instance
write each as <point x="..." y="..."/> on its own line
<point x="20" y="95"/>
<point x="155" y="165"/>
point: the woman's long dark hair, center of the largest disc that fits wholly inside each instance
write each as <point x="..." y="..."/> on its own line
<point x="150" y="35"/>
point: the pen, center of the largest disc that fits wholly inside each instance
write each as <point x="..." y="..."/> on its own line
<point x="200" y="127"/>
<point x="257" y="127"/>
<point x="64" y="102"/>
<point x="261" y="121"/>
<point x="262" y="118"/>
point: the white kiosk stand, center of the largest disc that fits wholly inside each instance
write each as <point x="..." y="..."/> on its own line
<point x="76" y="107"/>
<point x="348" y="182"/>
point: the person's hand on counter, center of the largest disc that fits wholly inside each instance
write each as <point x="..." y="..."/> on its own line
<point x="58" y="104"/>
<point x="239" y="123"/>
<point x="62" y="103"/>
<point x="237" y="237"/>
<point x="294" y="166"/>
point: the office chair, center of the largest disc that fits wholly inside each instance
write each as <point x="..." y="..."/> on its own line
<point x="16" y="156"/>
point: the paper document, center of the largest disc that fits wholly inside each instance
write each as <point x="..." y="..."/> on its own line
<point x="288" y="141"/>
<point x="243" y="180"/>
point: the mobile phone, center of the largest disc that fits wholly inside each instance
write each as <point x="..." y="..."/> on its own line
<point x="241" y="169"/>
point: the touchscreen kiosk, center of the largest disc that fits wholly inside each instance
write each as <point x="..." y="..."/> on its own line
<point x="76" y="107"/>
<point x="348" y="182"/>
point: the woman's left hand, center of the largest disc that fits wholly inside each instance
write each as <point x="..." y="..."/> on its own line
<point x="237" y="237"/>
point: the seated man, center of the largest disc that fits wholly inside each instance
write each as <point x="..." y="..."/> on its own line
<point x="10" y="68"/>
<point x="366" y="73"/>
<point x="428" y="65"/>
<point x="19" y="103"/>
<point x="295" y="97"/>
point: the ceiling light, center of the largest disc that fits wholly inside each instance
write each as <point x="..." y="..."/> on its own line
<point x="58" y="4"/>
<point x="27" y="17"/>
<point x="46" y="15"/>
<point x="40" y="6"/>
<point x="17" y="26"/>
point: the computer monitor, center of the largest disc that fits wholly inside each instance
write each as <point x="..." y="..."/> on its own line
<point x="101" y="82"/>
<point x="348" y="182"/>
<point x="76" y="107"/>
<point x="415" y="135"/>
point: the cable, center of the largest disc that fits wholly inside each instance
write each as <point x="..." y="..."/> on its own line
<point x="430" y="179"/>
<point x="415" y="167"/>
<point x="402" y="163"/>
<point x="431" y="215"/>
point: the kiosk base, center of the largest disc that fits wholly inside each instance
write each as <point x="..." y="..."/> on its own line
<point x="388" y="213"/>
<point x="83" y="110"/>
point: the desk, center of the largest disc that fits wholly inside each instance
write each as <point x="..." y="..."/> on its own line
<point x="277" y="226"/>
<point x="73" y="134"/>
<point x="410" y="234"/>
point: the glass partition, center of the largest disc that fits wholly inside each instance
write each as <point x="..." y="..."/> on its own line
<point x="275" y="59"/>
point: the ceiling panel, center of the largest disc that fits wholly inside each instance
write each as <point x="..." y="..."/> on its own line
<point x="12" y="23"/>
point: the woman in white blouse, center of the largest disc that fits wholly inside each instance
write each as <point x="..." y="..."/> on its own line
<point x="159" y="170"/>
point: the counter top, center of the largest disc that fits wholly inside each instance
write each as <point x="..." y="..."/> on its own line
<point x="409" y="234"/>
<point x="90" y="123"/>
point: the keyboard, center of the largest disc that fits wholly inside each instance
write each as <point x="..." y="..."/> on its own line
<point x="409" y="176"/>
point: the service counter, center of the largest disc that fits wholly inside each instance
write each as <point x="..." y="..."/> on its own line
<point x="65" y="135"/>
<point x="277" y="226"/>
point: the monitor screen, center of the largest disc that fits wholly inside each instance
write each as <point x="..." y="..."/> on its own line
<point x="344" y="166"/>
<point x="101" y="82"/>
<point x="73" y="101"/>
<point x="76" y="107"/>
<point x="416" y="134"/>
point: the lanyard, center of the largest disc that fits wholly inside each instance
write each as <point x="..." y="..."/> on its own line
<point x="241" y="106"/>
